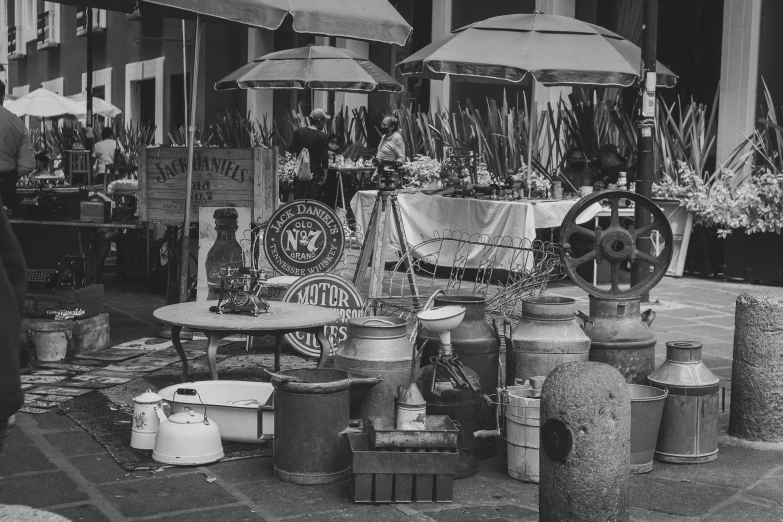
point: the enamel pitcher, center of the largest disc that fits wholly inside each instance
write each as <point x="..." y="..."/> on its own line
<point x="145" y="419"/>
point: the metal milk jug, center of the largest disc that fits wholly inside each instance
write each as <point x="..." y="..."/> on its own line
<point x="145" y="419"/>
<point x="478" y="346"/>
<point x="376" y="346"/>
<point x="546" y="336"/>
<point x="689" y="426"/>
<point x="621" y="337"/>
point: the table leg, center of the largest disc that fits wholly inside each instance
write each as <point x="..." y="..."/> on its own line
<point x="278" y="350"/>
<point x="326" y="348"/>
<point x="175" y="330"/>
<point x="213" y="338"/>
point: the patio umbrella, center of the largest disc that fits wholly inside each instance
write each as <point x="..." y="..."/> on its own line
<point x="555" y="50"/>
<point x="315" y="67"/>
<point x="43" y="103"/>
<point x="375" y="20"/>
<point x="99" y="106"/>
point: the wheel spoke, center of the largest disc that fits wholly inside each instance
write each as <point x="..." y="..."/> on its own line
<point x="644" y="256"/>
<point x="615" y="278"/>
<point x="615" y="202"/>
<point x="646" y="230"/>
<point x="584" y="259"/>
<point x="582" y="231"/>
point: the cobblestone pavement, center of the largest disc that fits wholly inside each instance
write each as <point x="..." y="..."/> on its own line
<point x="51" y="463"/>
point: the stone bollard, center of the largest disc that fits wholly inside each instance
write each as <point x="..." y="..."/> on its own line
<point x="757" y="372"/>
<point x="585" y="456"/>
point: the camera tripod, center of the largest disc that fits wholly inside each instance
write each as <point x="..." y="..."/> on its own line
<point x="374" y="244"/>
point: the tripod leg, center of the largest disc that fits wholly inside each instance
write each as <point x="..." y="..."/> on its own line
<point x="367" y="246"/>
<point x="376" y="268"/>
<point x="404" y="249"/>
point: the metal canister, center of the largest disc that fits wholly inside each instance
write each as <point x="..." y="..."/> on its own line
<point x="376" y="346"/>
<point x="622" y="337"/>
<point x="461" y="404"/>
<point x="689" y="427"/>
<point x="546" y="336"/>
<point x="311" y="411"/>
<point x="478" y="346"/>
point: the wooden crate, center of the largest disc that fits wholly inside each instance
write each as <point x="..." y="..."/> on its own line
<point x="383" y="475"/>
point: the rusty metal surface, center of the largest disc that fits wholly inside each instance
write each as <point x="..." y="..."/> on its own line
<point x="439" y="432"/>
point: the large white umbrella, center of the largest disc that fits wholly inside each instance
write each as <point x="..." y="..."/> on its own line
<point x="43" y="103"/>
<point x="100" y="106"/>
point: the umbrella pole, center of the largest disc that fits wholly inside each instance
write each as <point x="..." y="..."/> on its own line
<point x="185" y="257"/>
<point x="530" y="131"/>
<point x="185" y="74"/>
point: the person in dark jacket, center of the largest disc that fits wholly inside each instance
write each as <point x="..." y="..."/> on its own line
<point x="316" y="141"/>
<point x="13" y="282"/>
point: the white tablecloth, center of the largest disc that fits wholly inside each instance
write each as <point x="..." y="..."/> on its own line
<point x="426" y="217"/>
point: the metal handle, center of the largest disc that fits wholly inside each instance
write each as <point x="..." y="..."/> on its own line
<point x="585" y="321"/>
<point x="648" y="317"/>
<point x="279" y="377"/>
<point x="382" y="321"/>
<point x="365" y="380"/>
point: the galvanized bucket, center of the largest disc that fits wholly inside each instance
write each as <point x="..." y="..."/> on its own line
<point x="522" y="434"/>
<point x="646" y="411"/>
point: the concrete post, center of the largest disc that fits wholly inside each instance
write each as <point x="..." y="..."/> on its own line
<point x="757" y="372"/>
<point x="585" y="456"/>
<point x="260" y="102"/>
<point x="738" y="73"/>
<point x="440" y="90"/>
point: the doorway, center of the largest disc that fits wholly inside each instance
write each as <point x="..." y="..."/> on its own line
<point x="146" y="93"/>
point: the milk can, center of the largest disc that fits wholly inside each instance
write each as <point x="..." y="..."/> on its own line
<point x="376" y="346"/>
<point x="478" y="347"/>
<point x="689" y="427"/>
<point x="311" y="413"/>
<point x="546" y="336"/>
<point x="621" y="336"/>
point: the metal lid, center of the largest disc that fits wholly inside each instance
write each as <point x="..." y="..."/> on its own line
<point x="683" y="367"/>
<point x="148" y="397"/>
<point x="377" y="327"/>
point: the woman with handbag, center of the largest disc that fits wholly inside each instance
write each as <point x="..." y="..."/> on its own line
<point x="108" y="151"/>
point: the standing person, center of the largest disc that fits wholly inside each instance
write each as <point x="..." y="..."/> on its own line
<point x="314" y="139"/>
<point x="13" y="282"/>
<point x="105" y="151"/>
<point x="16" y="152"/>
<point x="392" y="146"/>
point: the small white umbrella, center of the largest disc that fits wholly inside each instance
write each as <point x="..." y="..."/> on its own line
<point x="100" y="107"/>
<point x="43" y="103"/>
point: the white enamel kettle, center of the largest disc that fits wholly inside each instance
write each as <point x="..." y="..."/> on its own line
<point x="145" y="420"/>
<point x="187" y="438"/>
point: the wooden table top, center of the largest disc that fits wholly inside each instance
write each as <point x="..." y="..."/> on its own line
<point x="281" y="316"/>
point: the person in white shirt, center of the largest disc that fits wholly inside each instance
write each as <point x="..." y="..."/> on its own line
<point x="392" y="145"/>
<point x="16" y="153"/>
<point x="104" y="151"/>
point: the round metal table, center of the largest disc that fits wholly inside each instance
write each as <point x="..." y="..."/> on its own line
<point x="281" y="319"/>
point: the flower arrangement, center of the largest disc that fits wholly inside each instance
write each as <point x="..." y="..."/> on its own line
<point x="755" y="203"/>
<point x="422" y="171"/>
<point x="540" y="186"/>
<point x="286" y="171"/>
<point x="483" y="175"/>
<point x="520" y="176"/>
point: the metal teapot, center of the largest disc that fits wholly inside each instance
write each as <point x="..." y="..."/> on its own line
<point x="145" y="420"/>
<point x="187" y="438"/>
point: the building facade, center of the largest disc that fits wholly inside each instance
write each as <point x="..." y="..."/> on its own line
<point x="138" y="61"/>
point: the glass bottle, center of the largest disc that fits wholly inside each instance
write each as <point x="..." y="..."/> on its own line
<point x="226" y="252"/>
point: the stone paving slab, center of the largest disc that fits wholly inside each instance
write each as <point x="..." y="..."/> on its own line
<point x="40" y="490"/>
<point x="82" y="513"/>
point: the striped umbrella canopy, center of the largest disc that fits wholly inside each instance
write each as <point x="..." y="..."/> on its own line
<point x="555" y="50"/>
<point x="315" y="67"/>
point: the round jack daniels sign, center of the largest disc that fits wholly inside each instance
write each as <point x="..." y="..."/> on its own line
<point x="304" y="237"/>
<point x="330" y="291"/>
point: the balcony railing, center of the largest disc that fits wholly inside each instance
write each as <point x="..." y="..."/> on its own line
<point x="16" y="47"/>
<point x="47" y="31"/>
<point x="98" y="21"/>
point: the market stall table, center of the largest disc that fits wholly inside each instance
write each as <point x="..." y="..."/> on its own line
<point x="281" y="319"/>
<point x="429" y="216"/>
<point x="358" y="175"/>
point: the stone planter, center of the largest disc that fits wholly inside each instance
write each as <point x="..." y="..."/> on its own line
<point x="681" y="221"/>
<point x="754" y="258"/>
